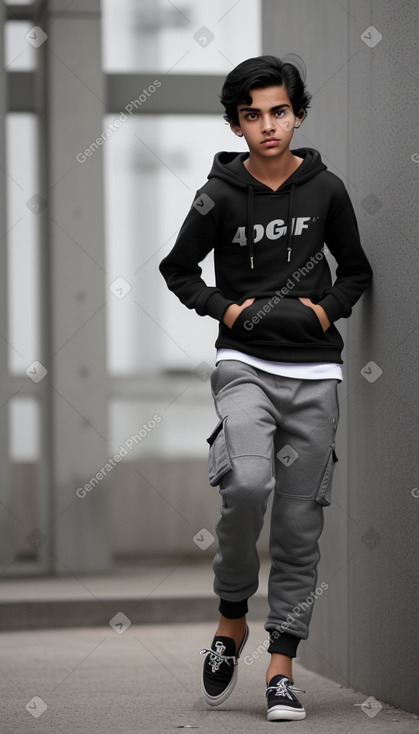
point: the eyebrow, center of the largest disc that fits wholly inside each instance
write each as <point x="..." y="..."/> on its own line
<point x="272" y="109"/>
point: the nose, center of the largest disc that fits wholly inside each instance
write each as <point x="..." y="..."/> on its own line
<point x="267" y="124"/>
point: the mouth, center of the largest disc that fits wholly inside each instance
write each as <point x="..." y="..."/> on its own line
<point x="270" y="141"/>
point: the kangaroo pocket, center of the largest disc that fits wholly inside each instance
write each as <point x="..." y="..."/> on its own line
<point x="277" y="320"/>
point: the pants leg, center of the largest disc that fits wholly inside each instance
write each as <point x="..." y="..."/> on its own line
<point x="304" y="458"/>
<point x="246" y="439"/>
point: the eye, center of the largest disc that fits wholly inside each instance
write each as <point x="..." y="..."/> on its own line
<point x="251" y="116"/>
<point x="280" y="113"/>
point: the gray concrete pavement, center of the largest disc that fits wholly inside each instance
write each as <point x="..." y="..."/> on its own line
<point x="146" y="679"/>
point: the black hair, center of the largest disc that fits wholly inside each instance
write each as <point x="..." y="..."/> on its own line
<point x="257" y="73"/>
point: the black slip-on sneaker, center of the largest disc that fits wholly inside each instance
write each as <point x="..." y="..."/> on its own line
<point x="283" y="704"/>
<point x="219" y="672"/>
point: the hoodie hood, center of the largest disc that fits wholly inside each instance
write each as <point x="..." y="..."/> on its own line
<point x="229" y="167"/>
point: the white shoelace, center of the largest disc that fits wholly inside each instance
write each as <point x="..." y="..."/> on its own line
<point x="216" y="656"/>
<point x="283" y="688"/>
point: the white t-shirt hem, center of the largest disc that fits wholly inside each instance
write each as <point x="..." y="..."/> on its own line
<point x="298" y="370"/>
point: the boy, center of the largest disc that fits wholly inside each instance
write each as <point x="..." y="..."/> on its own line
<point x="268" y="214"/>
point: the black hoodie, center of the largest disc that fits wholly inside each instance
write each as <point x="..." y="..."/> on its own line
<point x="270" y="245"/>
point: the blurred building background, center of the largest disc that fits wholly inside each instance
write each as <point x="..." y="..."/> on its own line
<point x="109" y="121"/>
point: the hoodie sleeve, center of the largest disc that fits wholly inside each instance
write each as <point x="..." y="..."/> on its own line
<point x="353" y="272"/>
<point x="180" y="268"/>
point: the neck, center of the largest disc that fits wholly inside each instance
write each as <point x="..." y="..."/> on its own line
<point x="274" y="169"/>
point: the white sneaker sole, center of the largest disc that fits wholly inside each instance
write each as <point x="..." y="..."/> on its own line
<point x="217" y="700"/>
<point x="285" y="713"/>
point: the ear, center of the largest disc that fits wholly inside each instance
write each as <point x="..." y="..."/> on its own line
<point x="236" y="129"/>
<point x="300" y="117"/>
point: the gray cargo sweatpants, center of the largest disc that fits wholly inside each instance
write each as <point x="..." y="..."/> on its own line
<point x="274" y="434"/>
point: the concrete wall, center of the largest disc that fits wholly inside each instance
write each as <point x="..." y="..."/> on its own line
<point x="364" y="628"/>
<point x="383" y="415"/>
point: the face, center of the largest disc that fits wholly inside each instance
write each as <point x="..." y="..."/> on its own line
<point x="268" y="123"/>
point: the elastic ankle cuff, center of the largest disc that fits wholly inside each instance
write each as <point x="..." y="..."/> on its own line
<point x="283" y="643"/>
<point x="233" y="609"/>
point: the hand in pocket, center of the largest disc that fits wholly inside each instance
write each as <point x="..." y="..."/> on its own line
<point x="318" y="310"/>
<point x="233" y="311"/>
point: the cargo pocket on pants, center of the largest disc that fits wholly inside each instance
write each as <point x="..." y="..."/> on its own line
<point x="219" y="462"/>
<point x="323" y="496"/>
